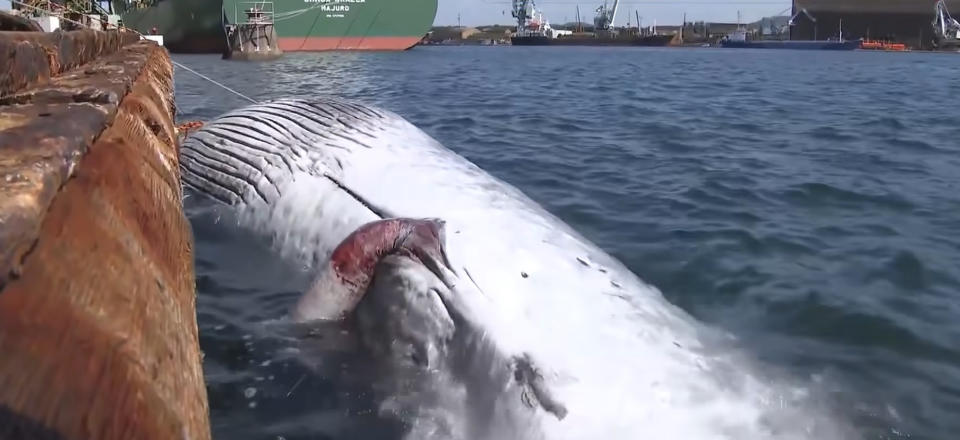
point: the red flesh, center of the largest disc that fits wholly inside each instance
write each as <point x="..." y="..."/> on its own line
<point x="356" y="257"/>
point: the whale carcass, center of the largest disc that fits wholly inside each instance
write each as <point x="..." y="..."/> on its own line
<point x="524" y="328"/>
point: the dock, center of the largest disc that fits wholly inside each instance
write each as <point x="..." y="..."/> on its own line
<point x="98" y="330"/>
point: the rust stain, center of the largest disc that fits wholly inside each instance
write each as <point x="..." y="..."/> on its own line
<point x="98" y="330"/>
<point x="33" y="58"/>
<point x="64" y="117"/>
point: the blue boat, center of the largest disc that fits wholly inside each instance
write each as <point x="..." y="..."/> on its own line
<point x="793" y="44"/>
<point x="738" y="39"/>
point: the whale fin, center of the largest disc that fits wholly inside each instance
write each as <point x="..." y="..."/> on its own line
<point x="530" y="377"/>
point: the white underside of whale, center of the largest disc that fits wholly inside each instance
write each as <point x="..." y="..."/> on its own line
<point x="625" y="362"/>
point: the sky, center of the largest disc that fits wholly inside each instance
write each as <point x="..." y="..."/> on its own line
<point x="4" y="4"/>
<point x="477" y="12"/>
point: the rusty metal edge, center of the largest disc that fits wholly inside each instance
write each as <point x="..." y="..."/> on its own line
<point x="20" y="230"/>
<point x="34" y="58"/>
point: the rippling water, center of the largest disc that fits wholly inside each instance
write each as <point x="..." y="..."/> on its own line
<point x="807" y="202"/>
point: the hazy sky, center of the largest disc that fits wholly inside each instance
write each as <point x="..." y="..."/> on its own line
<point x="4" y="4"/>
<point x="474" y="12"/>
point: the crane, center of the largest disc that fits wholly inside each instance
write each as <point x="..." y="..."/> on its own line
<point x="522" y="11"/>
<point x="947" y="29"/>
<point x="774" y="28"/>
<point x="804" y="11"/>
<point x="605" y="15"/>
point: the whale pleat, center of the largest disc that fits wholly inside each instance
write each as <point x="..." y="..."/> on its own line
<point x="249" y="152"/>
<point x="211" y="182"/>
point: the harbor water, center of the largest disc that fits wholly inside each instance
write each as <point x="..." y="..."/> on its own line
<point x="806" y="202"/>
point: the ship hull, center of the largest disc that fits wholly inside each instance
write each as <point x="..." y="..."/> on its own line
<point x="530" y="41"/>
<point x="315" y="25"/>
<point x="792" y="44"/>
<point x="653" y="40"/>
<point x="187" y="26"/>
<point x="197" y="26"/>
<point x="312" y="44"/>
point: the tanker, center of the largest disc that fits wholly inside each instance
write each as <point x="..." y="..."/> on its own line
<point x="197" y="26"/>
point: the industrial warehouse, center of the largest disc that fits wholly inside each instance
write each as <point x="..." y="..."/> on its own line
<point x="919" y="24"/>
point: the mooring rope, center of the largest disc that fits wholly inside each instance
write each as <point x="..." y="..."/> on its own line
<point x="213" y="81"/>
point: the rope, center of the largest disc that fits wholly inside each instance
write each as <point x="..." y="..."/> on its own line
<point x="293" y="14"/>
<point x="214" y="82"/>
<point x="141" y="35"/>
<point x="192" y="125"/>
<point x="283" y="16"/>
<point x="185" y="128"/>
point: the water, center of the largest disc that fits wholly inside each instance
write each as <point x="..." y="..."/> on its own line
<point x="806" y="202"/>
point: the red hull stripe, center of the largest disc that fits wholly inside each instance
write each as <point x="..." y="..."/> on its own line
<point x="295" y="44"/>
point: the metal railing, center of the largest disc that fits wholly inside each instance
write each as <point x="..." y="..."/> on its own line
<point x="253" y="13"/>
<point x="93" y="19"/>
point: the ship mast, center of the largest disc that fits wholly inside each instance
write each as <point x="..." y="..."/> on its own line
<point x="579" y="26"/>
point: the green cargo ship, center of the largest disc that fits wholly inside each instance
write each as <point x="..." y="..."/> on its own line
<point x="187" y="26"/>
<point x="197" y="26"/>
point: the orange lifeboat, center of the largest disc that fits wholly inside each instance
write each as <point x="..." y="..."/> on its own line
<point x="883" y="45"/>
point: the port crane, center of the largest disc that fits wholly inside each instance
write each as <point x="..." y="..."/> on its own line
<point x="605" y="15"/>
<point x="530" y="21"/>
<point x="804" y="11"/>
<point x="522" y="11"/>
<point x="947" y="28"/>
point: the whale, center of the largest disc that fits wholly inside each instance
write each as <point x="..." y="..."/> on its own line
<point x="512" y="324"/>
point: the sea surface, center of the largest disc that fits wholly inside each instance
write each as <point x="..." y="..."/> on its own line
<point x="806" y="202"/>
